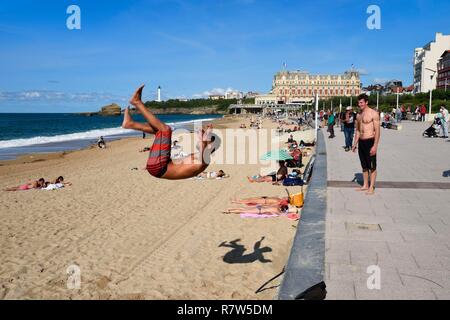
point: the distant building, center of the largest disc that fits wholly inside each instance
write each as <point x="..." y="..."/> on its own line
<point x="373" y="88"/>
<point x="251" y="94"/>
<point x="159" y="94"/>
<point x="266" y="99"/>
<point x="393" y="86"/>
<point x="426" y="60"/>
<point x="234" y="95"/>
<point x="409" y="89"/>
<point x="216" y="96"/>
<point x="300" y="86"/>
<point x="443" y="78"/>
<point x="390" y="87"/>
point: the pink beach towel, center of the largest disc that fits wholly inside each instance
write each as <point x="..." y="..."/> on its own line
<point x="256" y="215"/>
<point x="290" y="216"/>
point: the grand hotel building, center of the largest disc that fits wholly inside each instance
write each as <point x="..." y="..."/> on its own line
<point x="300" y="87"/>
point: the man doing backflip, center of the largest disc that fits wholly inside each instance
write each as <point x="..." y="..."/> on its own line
<point x="159" y="163"/>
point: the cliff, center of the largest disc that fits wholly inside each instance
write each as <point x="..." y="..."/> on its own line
<point x="111" y="110"/>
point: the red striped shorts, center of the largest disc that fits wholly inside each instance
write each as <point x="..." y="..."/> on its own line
<point x="159" y="156"/>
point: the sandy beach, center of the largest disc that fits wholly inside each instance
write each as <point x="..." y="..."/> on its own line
<point x="134" y="236"/>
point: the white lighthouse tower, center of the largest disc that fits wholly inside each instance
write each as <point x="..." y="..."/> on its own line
<point x="159" y="94"/>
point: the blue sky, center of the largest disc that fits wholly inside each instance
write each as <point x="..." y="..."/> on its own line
<point x="191" y="48"/>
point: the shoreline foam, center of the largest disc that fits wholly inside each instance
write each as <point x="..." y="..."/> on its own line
<point x="14" y="148"/>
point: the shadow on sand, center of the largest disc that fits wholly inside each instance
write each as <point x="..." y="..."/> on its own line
<point x="236" y="255"/>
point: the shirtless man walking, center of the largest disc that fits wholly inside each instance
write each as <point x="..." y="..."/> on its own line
<point x="366" y="140"/>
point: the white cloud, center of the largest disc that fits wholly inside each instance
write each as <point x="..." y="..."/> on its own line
<point x="362" y="71"/>
<point x="379" y="80"/>
<point x="215" y="91"/>
<point x="48" y="95"/>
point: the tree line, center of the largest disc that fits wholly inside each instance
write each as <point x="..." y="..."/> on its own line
<point x="220" y="104"/>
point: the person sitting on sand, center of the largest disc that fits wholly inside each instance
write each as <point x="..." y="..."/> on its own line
<point x="101" y="143"/>
<point x="279" y="176"/>
<point x="160" y="164"/>
<point x="38" y="184"/>
<point x="290" y="139"/>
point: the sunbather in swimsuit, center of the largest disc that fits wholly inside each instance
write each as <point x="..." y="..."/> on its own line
<point x="28" y="186"/>
<point x="262" y="200"/>
<point x="260" y="209"/>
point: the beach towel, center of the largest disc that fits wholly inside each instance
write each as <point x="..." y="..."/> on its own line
<point x="256" y="215"/>
<point x="290" y="216"/>
<point x="293" y="216"/>
<point x="54" y="186"/>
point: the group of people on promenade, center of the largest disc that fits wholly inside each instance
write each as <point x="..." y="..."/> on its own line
<point x="346" y="121"/>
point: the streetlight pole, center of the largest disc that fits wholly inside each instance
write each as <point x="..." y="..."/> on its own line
<point x="431" y="91"/>
<point x="378" y="98"/>
<point x="397" y="97"/>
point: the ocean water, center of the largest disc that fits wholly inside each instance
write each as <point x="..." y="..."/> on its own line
<point x="22" y="133"/>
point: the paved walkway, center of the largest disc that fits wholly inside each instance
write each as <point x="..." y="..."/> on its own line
<point x="404" y="228"/>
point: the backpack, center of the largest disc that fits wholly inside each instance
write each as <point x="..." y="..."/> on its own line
<point x="289" y="182"/>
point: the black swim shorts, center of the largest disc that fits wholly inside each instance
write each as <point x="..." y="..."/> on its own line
<point x="368" y="162"/>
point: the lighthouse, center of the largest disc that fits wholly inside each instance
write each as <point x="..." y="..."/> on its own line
<point x="159" y="94"/>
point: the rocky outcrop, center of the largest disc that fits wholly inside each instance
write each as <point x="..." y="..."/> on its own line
<point x="111" y="110"/>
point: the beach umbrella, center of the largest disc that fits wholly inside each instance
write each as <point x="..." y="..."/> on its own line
<point x="277" y="155"/>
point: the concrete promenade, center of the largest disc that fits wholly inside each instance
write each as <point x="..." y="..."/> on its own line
<point x="404" y="228"/>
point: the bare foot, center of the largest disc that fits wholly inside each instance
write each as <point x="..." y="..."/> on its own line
<point x="370" y="192"/>
<point x="209" y="129"/>
<point x="137" y="96"/>
<point x="362" y="189"/>
<point x="127" y="120"/>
